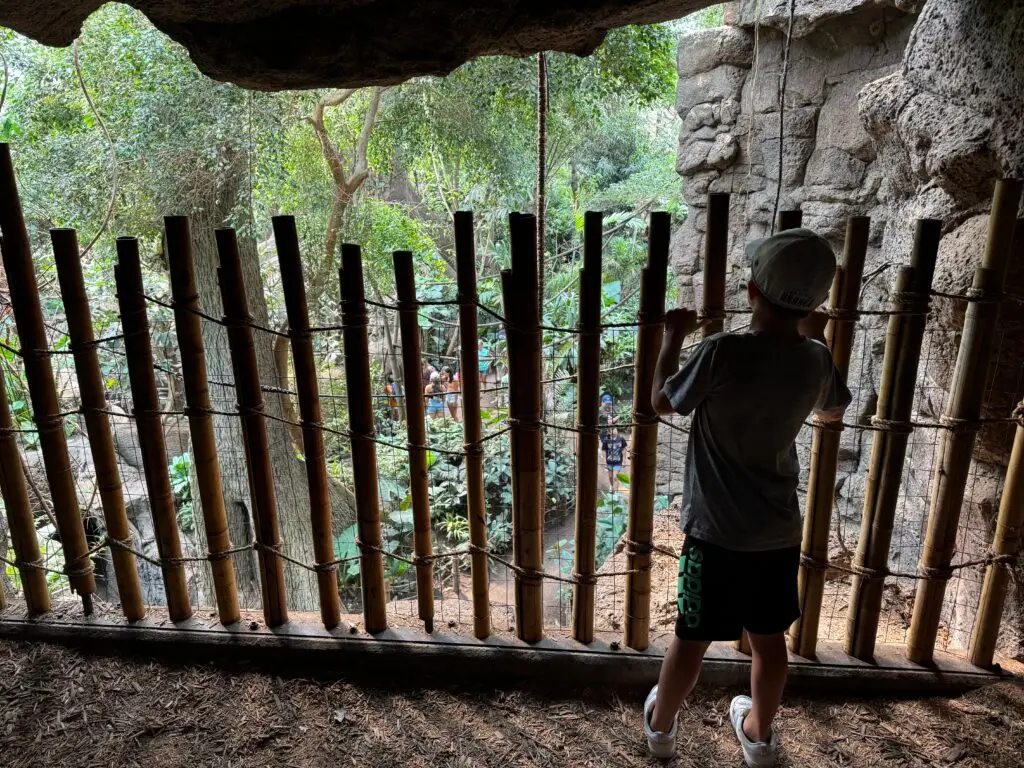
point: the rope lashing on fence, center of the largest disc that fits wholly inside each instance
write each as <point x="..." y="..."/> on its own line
<point x="950" y="423"/>
<point x="277" y="550"/>
<point x="914" y="305"/>
<point x="631" y="549"/>
<point x="923" y="573"/>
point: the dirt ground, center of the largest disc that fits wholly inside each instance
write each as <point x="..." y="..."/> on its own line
<point x="61" y="708"/>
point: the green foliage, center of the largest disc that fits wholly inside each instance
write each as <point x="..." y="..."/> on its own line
<point x="612" y="516"/>
<point x="186" y="144"/>
<point x="181" y="471"/>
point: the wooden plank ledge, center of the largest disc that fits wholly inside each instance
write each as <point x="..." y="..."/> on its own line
<point x="417" y="658"/>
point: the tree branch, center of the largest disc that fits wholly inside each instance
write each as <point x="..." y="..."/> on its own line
<point x="360" y="166"/>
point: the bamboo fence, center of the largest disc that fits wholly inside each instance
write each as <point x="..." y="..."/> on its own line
<point x="526" y="425"/>
<point x="254" y="428"/>
<point x="405" y="289"/>
<point x="200" y="419"/>
<point x="821" y="486"/>
<point x="889" y="448"/>
<point x="472" y="423"/>
<point x="588" y="384"/>
<point x="644" y="441"/>
<point x="962" y="419"/>
<point x="294" y="288"/>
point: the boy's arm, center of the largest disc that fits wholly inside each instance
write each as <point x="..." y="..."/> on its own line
<point x="835" y="397"/>
<point x="679" y="323"/>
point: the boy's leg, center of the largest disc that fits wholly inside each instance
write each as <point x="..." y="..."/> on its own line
<point x="772" y="605"/>
<point x="770" y="664"/>
<point x="679" y="672"/>
<point x="707" y="611"/>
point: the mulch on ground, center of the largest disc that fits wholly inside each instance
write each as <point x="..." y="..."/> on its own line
<point x="59" y="707"/>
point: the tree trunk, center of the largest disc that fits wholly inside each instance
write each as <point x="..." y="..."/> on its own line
<point x="289" y="473"/>
<point x="284" y="381"/>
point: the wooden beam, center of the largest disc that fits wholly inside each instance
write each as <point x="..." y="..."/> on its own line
<point x="192" y="353"/>
<point x="35" y="352"/>
<point x="97" y="424"/>
<point x="644" y="440"/>
<point x="821" y="483"/>
<point x="472" y="425"/>
<point x="419" y="489"/>
<point x="149" y="424"/>
<point x="254" y="428"/>
<point x="519" y="292"/>
<point x="889" y="445"/>
<point x="307" y="385"/>
<point x="20" y="522"/>
<point x="588" y="391"/>
<point x="413" y="659"/>
<point x="716" y="259"/>
<point x="361" y="428"/>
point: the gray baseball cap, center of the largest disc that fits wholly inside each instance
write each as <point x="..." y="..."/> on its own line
<point x="793" y="268"/>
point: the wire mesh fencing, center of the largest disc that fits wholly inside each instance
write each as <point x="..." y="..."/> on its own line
<point x="439" y="387"/>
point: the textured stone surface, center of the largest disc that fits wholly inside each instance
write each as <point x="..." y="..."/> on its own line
<point x="277" y="44"/>
<point x="809" y="15"/>
<point x="900" y="127"/>
<point x="710" y="48"/>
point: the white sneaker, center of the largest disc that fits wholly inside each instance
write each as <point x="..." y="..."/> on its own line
<point x="756" y="754"/>
<point x="661" y="745"/>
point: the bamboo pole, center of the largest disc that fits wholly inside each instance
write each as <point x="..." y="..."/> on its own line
<point x="963" y="410"/>
<point x="821" y="483"/>
<point x="889" y="446"/>
<point x="97" y="424"/>
<point x="361" y="427"/>
<point x="523" y="332"/>
<point x="19" y="513"/>
<point x="28" y="317"/>
<point x="644" y="441"/>
<point x="409" y="327"/>
<point x="149" y="425"/>
<point x="465" y="263"/>
<point x="716" y="255"/>
<point x="289" y="260"/>
<point x="1005" y="544"/>
<point x="262" y="494"/>
<point x="588" y="389"/>
<point x="192" y="352"/>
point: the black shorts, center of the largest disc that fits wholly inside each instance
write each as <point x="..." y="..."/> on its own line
<point x="722" y="592"/>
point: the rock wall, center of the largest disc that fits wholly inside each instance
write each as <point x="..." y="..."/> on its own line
<point x="946" y="124"/>
<point x="899" y="117"/>
<point x="728" y="100"/>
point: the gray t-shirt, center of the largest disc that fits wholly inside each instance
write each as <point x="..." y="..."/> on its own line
<point x="750" y="394"/>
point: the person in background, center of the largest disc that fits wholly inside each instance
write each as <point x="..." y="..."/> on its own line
<point x="434" y="394"/>
<point x="484" y="357"/>
<point x="426" y="369"/>
<point x="749" y="393"/>
<point x="605" y="417"/>
<point x="393" y="392"/>
<point x="451" y="382"/>
<point x="614" y="450"/>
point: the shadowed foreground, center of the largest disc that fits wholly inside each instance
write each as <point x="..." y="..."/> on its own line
<point x="69" y="709"/>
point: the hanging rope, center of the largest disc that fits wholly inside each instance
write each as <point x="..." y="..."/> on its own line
<point x="782" y="107"/>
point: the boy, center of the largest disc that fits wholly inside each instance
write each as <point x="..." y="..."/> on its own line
<point x="614" y="449"/>
<point x="750" y="394"/>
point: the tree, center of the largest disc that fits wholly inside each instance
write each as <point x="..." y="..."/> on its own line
<point x="184" y="145"/>
<point x="385" y="168"/>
